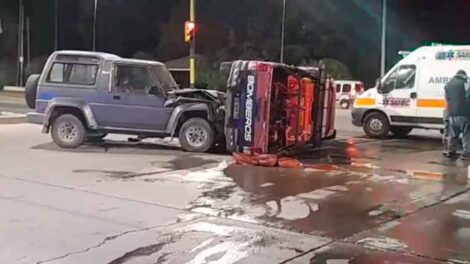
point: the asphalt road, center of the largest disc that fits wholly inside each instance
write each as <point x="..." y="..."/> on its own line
<point x="345" y="128"/>
<point x="356" y="199"/>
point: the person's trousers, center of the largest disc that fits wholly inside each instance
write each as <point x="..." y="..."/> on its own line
<point x="445" y="134"/>
<point x="459" y="125"/>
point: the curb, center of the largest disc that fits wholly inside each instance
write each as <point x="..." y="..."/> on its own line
<point x="13" y="89"/>
<point x="12" y="119"/>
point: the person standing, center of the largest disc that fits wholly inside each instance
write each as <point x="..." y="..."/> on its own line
<point x="458" y="112"/>
<point x="445" y="136"/>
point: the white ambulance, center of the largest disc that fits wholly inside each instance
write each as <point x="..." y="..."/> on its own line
<point x="347" y="92"/>
<point x="411" y="94"/>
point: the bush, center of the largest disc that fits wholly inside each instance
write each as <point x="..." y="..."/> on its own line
<point x="35" y="66"/>
<point x="141" y="55"/>
<point x="208" y="76"/>
<point x="337" y="69"/>
<point x="7" y="73"/>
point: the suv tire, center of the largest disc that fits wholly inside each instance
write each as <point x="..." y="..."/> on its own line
<point x="376" y="125"/>
<point x="344" y="104"/>
<point x="196" y="135"/>
<point x="31" y="88"/>
<point x="68" y="131"/>
<point x="401" y="132"/>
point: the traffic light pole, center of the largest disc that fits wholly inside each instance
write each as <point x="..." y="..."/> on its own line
<point x="192" y="46"/>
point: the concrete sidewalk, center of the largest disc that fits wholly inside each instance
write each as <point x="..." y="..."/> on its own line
<point x="13" y="102"/>
<point x="11" y="118"/>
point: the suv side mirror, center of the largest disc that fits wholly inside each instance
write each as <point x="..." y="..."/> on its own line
<point x="154" y="90"/>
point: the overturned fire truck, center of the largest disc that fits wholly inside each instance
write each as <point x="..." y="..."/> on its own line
<point x="271" y="107"/>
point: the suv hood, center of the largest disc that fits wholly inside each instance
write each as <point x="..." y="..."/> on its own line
<point x="200" y="94"/>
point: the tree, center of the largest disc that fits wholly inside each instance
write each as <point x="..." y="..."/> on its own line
<point x="337" y="69"/>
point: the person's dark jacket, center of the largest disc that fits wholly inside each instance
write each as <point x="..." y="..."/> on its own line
<point x="457" y="103"/>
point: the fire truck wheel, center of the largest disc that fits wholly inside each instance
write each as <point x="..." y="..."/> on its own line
<point x="376" y="125"/>
<point x="344" y="104"/>
<point x="196" y="135"/>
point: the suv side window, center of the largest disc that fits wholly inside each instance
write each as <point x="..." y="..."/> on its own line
<point x="73" y="73"/>
<point x="132" y="79"/>
<point x="338" y="88"/>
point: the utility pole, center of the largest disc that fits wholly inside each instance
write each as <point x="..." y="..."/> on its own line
<point x="20" y="69"/>
<point x="28" y="42"/>
<point x="192" y="45"/>
<point x="283" y="28"/>
<point x="94" y="24"/>
<point x="384" y="38"/>
<point x="56" y="25"/>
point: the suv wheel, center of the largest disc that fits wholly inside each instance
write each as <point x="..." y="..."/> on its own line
<point x="376" y="125"/>
<point x="68" y="131"/>
<point x="30" y="90"/>
<point x="196" y="135"/>
<point x="344" y="104"/>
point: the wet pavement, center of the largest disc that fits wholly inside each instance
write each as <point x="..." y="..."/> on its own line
<point x="356" y="200"/>
<point x="357" y="187"/>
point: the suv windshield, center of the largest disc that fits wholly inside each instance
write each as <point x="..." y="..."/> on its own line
<point x="165" y="79"/>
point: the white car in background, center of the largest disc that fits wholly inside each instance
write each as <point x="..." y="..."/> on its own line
<point x="347" y="92"/>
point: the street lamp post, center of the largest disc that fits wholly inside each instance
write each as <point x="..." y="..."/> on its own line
<point x="384" y="38"/>
<point x="56" y="25"/>
<point x="283" y="28"/>
<point x="20" y="72"/>
<point x="94" y="24"/>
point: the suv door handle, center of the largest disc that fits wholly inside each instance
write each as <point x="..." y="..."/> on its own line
<point x="413" y="95"/>
<point x="116" y="97"/>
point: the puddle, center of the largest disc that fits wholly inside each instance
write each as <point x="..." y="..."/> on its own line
<point x="126" y="175"/>
<point x="187" y="162"/>
<point x="383" y="243"/>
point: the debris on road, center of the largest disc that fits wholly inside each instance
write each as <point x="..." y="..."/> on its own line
<point x="266" y="160"/>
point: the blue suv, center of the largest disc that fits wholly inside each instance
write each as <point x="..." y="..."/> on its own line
<point x="83" y="96"/>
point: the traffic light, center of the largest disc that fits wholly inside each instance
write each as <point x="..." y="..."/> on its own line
<point x="189" y="31"/>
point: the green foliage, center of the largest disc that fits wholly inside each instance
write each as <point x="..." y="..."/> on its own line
<point x="36" y="66"/>
<point x="337" y="69"/>
<point x="208" y="76"/>
<point x="224" y="36"/>
<point x="7" y="73"/>
<point x="142" y="55"/>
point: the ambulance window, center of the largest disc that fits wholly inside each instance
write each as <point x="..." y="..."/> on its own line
<point x="390" y="82"/>
<point x="402" y="78"/>
<point x="347" y="88"/>
<point x="338" y="88"/>
<point x="406" y="76"/>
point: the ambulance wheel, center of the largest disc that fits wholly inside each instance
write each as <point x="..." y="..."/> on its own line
<point x="344" y="104"/>
<point x="376" y="125"/>
<point x="401" y="132"/>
